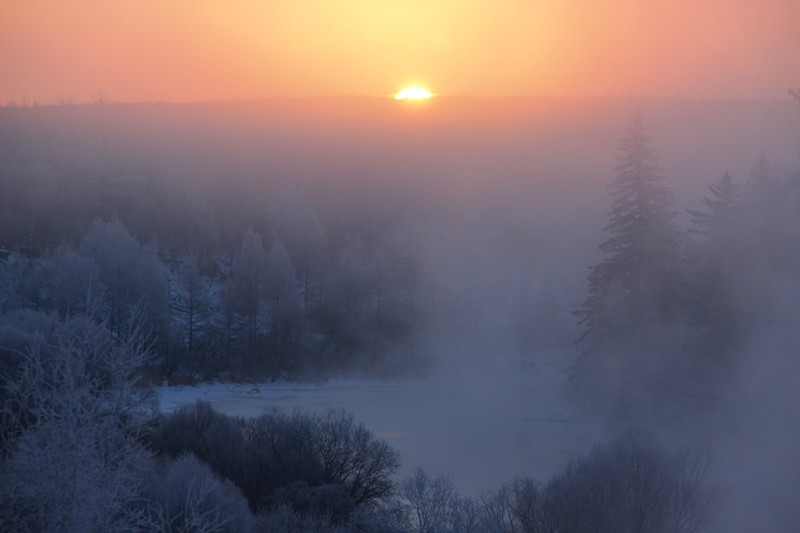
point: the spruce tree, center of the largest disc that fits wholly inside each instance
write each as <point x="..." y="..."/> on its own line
<point x="722" y="206"/>
<point x="638" y="282"/>
<point x="631" y="363"/>
<point x="767" y="215"/>
<point x="713" y="308"/>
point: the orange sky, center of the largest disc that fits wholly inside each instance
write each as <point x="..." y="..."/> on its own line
<point x="190" y="50"/>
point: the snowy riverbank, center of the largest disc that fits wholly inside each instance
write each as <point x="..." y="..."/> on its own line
<point x="481" y="431"/>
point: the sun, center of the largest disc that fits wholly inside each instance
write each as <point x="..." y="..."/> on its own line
<point x="412" y="93"/>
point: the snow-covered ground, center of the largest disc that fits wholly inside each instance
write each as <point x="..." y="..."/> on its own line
<point x="483" y="431"/>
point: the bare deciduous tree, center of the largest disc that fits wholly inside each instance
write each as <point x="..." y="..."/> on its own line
<point x="353" y="456"/>
<point x="428" y="500"/>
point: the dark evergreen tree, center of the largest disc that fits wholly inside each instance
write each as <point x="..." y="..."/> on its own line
<point x="770" y="236"/>
<point x="765" y="205"/>
<point x="722" y="206"/>
<point x="638" y="282"/>
<point x="632" y="321"/>
<point x="761" y="178"/>
<point x="712" y="300"/>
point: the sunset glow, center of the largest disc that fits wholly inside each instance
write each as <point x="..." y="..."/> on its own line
<point x="172" y="50"/>
<point x="400" y="265"/>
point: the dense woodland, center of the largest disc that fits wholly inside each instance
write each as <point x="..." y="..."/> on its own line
<point x="135" y="250"/>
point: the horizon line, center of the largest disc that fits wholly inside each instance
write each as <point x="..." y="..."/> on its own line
<point x="71" y="102"/>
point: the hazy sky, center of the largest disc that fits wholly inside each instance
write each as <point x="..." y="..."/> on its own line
<point x="189" y="50"/>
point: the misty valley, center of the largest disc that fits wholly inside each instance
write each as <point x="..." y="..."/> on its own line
<point x="359" y="314"/>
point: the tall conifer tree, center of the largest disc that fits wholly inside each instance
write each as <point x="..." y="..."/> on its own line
<point x="713" y="307"/>
<point x="638" y="282"/>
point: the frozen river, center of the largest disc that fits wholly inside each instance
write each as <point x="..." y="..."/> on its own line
<point x="482" y="432"/>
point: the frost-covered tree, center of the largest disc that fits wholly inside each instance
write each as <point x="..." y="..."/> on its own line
<point x="629" y="484"/>
<point x="226" y="320"/>
<point x="188" y="496"/>
<point x="323" y="461"/>
<point x="280" y="290"/>
<point x="73" y="282"/>
<point x="248" y="276"/>
<point x="387" y="290"/>
<point x="73" y="409"/>
<point x="433" y="505"/>
<point x="515" y="506"/>
<point x="132" y="274"/>
<point x="298" y="227"/>
<point x="428" y="501"/>
<point x="348" y="283"/>
<point x="343" y="315"/>
<point x="191" y="307"/>
<point x="8" y="296"/>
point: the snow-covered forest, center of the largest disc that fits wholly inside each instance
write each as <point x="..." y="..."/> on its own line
<point x="646" y="253"/>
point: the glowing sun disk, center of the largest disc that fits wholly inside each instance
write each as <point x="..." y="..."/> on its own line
<point x="412" y="93"/>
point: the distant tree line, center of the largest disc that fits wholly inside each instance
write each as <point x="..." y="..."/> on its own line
<point x="669" y="314"/>
<point x="242" y="271"/>
<point x="255" y="311"/>
<point x="237" y="272"/>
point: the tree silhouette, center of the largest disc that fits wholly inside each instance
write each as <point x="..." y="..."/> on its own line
<point x="631" y="361"/>
<point x="248" y="275"/>
<point x="191" y="306"/>
<point x="713" y="309"/>
<point x="636" y="284"/>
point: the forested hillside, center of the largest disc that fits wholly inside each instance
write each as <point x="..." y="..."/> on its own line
<point x="144" y="244"/>
<point x="290" y="238"/>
